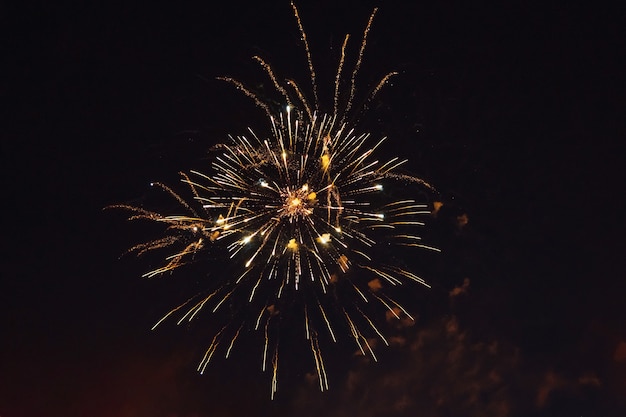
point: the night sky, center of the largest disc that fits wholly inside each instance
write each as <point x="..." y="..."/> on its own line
<point x="513" y="110"/>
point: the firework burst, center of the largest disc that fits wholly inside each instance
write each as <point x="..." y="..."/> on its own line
<point x="304" y="221"/>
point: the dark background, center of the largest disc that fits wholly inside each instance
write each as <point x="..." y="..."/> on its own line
<point x="512" y="109"/>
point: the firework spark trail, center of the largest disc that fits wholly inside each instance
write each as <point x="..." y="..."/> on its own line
<point x="319" y="363"/>
<point x="304" y="219"/>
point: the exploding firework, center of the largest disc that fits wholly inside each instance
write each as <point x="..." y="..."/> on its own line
<point x="303" y="222"/>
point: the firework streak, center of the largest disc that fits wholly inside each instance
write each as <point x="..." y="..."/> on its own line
<point x="303" y="221"/>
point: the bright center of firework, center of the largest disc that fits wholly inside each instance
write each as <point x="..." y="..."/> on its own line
<point x="297" y="203"/>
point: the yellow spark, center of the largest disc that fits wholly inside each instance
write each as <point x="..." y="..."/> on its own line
<point x="293" y="245"/>
<point x="324" y="238"/>
<point x="325" y="162"/>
